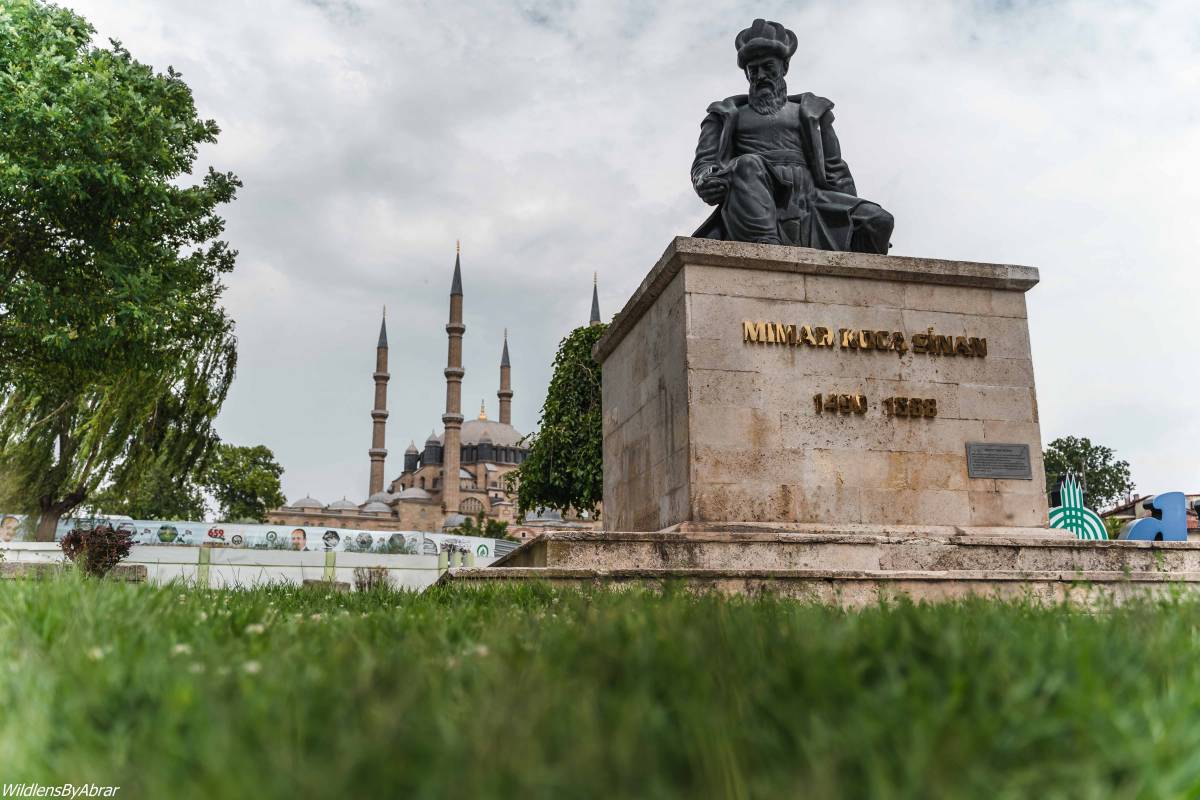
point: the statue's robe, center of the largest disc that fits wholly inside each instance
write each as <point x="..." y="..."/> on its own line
<point x="787" y="181"/>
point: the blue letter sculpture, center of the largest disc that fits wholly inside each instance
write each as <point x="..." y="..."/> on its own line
<point x="1073" y="515"/>
<point x="1169" y="523"/>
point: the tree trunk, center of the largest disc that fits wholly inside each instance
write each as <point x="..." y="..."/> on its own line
<point x="47" y="526"/>
<point x="52" y="512"/>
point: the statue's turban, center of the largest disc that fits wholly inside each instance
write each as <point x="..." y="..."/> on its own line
<point x="764" y="38"/>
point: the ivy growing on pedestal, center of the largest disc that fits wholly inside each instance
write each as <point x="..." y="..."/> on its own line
<point x="564" y="470"/>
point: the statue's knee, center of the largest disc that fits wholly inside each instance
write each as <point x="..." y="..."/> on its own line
<point x="875" y="218"/>
<point x="749" y="167"/>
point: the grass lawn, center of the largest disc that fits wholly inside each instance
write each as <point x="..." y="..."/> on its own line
<point x="526" y="692"/>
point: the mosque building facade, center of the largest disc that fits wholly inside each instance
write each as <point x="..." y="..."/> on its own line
<point x="479" y="452"/>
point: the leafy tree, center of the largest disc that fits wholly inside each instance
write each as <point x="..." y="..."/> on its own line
<point x="114" y="352"/>
<point x="159" y="494"/>
<point x="488" y="528"/>
<point x="55" y="454"/>
<point x="564" y="469"/>
<point x="245" y="482"/>
<point x="1107" y="480"/>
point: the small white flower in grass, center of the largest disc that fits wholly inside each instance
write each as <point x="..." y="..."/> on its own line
<point x="480" y="650"/>
<point x="255" y="628"/>
<point x="195" y="668"/>
<point x="95" y="654"/>
<point x="252" y="667"/>
<point x="203" y="616"/>
<point x="315" y="617"/>
<point x="181" y="650"/>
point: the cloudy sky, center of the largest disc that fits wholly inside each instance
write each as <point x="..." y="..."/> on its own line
<point x="554" y="138"/>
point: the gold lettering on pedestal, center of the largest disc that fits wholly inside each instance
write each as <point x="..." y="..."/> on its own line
<point x="926" y="343"/>
<point x="911" y="407"/>
<point x="840" y="403"/>
<point x="754" y="331"/>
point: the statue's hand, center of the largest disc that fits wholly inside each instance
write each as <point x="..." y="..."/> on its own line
<point x="712" y="188"/>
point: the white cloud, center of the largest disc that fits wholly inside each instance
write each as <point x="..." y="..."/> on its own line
<point x="555" y="138"/>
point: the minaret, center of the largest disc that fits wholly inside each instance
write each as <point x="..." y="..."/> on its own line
<point x="595" y="320"/>
<point x="379" y="413"/>
<point x="453" y="418"/>
<point x="505" y="394"/>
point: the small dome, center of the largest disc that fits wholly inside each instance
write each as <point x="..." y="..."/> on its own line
<point x="414" y="493"/>
<point x="375" y="507"/>
<point x="381" y="497"/>
<point x="454" y="520"/>
<point x="343" y="505"/>
<point x="544" y="515"/>
<point x="308" y="502"/>
<point x="412" y="449"/>
<point x="433" y="439"/>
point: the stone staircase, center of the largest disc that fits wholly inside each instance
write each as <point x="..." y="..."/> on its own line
<point x="854" y="569"/>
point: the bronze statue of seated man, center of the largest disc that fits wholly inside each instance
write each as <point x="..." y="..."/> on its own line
<point x="772" y="165"/>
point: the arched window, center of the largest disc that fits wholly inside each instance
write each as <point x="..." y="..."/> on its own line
<point x="471" y="505"/>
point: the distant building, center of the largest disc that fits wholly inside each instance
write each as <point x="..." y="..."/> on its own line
<point x="1139" y="508"/>
<point x="479" y="452"/>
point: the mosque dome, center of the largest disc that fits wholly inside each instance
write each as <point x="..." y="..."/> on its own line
<point x="308" y="502"/>
<point x="381" y="497"/>
<point x="475" y="431"/>
<point x="375" y="507"/>
<point x="343" y="505"/>
<point x="433" y="439"/>
<point x="415" y="493"/>
<point x="412" y="448"/>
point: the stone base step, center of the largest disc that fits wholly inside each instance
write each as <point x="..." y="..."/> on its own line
<point x="857" y="588"/>
<point x="900" y="550"/>
<point x="33" y="570"/>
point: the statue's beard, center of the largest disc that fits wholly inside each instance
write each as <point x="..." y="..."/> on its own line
<point x="768" y="96"/>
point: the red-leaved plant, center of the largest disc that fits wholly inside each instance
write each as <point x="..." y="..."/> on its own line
<point x="97" y="549"/>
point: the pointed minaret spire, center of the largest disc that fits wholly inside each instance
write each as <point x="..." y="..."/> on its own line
<point x="482" y="410"/>
<point x="506" y="393"/>
<point x="456" y="283"/>
<point x="379" y="413"/>
<point x="453" y="418"/>
<point x="595" y="318"/>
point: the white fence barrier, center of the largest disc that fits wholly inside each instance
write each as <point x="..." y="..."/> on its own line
<point x="227" y="567"/>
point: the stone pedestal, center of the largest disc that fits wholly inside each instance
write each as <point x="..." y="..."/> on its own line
<point x="763" y="384"/>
